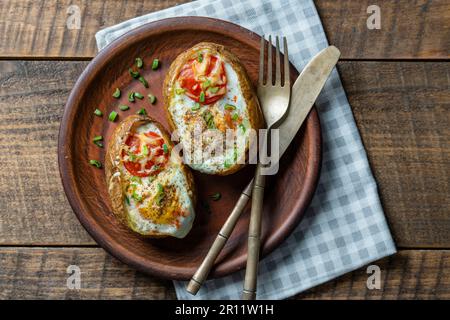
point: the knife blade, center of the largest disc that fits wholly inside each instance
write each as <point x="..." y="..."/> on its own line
<point x="305" y="91"/>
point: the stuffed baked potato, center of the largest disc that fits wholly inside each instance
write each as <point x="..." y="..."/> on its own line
<point x="151" y="190"/>
<point x="207" y="88"/>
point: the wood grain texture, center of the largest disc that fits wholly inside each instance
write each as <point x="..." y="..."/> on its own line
<point x="41" y="273"/>
<point x="409" y="274"/>
<point x="402" y="110"/>
<point x="409" y="29"/>
<point x="403" y="113"/>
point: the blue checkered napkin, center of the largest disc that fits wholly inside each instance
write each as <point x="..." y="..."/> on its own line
<point x="345" y="227"/>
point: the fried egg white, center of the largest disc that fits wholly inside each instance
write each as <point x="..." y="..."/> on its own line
<point x="160" y="204"/>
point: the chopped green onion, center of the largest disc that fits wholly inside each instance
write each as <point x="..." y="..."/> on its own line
<point x="143" y="81"/>
<point x="136" y="179"/>
<point x="209" y="119"/>
<point x="242" y="127"/>
<point x="124" y="107"/>
<point x="152" y="98"/>
<point x="139" y="63"/>
<point x="131" y="97"/>
<point x="145" y="150"/>
<point x="142" y="112"/>
<point x="95" y="163"/>
<point x="200" y="57"/>
<point x="179" y="91"/>
<point x="196" y="106"/>
<point x="127" y="200"/>
<point x="235" y="117"/>
<point x="165" y="148"/>
<point x="134" y="74"/>
<point x="136" y="196"/>
<point x="216" y="196"/>
<point x="226" y="164"/>
<point x="116" y="93"/>
<point x="112" y="116"/>
<point x="155" y="64"/>
<point x="98" y="113"/>
<point x="229" y="107"/>
<point x="202" y="97"/>
<point x="98" y="144"/>
<point x="213" y="89"/>
<point x="138" y="95"/>
<point x="160" y="195"/>
<point x="206" y="84"/>
<point x="98" y="138"/>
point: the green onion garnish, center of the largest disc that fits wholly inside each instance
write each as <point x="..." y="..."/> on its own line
<point x="179" y="91"/>
<point x="143" y="81"/>
<point x="95" y="163"/>
<point x="200" y="57"/>
<point x="242" y="127"/>
<point x="142" y="112"/>
<point x="127" y="200"/>
<point x="160" y="194"/>
<point x="134" y="74"/>
<point x="209" y="119"/>
<point x="145" y="150"/>
<point x="98" y="113"/>
<point x="165" y="148"/>
<point x="124" y="107"/>
<point x="116" y="93"/>
<point x="155" y="64"/>
<point x="235" y="117"/>
<point x="112" y="116"/>
<point x="136" y="196"/>
<point x="151" y="98"/>
<point x="131" y="97"/>
<point x="202" y="97"/>
<point x="98" y="138"/>
<point x="229" y="107"/>
<point x="138" y="95"/>
<point x="213" y="89"/>
<point x="196" y="106"/>
<point x="136" y="179"/>
<point x="226" y="164"/>
<point x="216" y="196"/>
<point x="206" y="84"/>
<point x="139" y="63"/>
<point x="98" y="144"/>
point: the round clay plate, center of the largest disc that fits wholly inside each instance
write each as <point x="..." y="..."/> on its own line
<point x="287" y="194"/>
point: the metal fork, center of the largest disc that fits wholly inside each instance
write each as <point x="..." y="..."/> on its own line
<point x="274" y="100"/>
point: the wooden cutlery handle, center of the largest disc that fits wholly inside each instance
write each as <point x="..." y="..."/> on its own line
<point x="254" y="236"/>
<point x="202" y="272"/>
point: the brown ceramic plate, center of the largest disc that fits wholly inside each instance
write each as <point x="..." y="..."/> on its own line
<point x="288" y="193"/>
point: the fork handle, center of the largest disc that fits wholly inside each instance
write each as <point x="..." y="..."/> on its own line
<point x="225" y="232"/>
<point x="254" y="236"/>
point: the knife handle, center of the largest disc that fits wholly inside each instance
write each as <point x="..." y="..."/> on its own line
<point x="202" y="272"/>
<point x="254" y="236"/>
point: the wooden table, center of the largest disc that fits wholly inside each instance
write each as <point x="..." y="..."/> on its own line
<point x="397" y="80"/>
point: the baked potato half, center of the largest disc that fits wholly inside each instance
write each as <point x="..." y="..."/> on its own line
<point x="151" y="190"/>
<point x="207" y="89"/>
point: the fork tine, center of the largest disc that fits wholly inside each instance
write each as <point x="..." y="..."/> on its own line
<point x="277" y="63"/>
<point x="287" y="78"/>
<point x="269" y="62"/>
<point x="261" y="61"/>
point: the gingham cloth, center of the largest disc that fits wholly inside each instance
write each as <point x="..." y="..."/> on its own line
<point x="344" y="228"/>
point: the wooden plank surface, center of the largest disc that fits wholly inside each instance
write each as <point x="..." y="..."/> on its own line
<point x="41" y="273"/>
<point x="409" y="29"/>
<point x="402" y="110"/>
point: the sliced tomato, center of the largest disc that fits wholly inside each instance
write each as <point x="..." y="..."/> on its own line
<point x="191" y="74"/>
<point x="154" y="161"/>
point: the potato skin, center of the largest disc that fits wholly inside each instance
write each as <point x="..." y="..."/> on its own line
<point x="256" y="117"/>
<point x="112" y="171"/>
